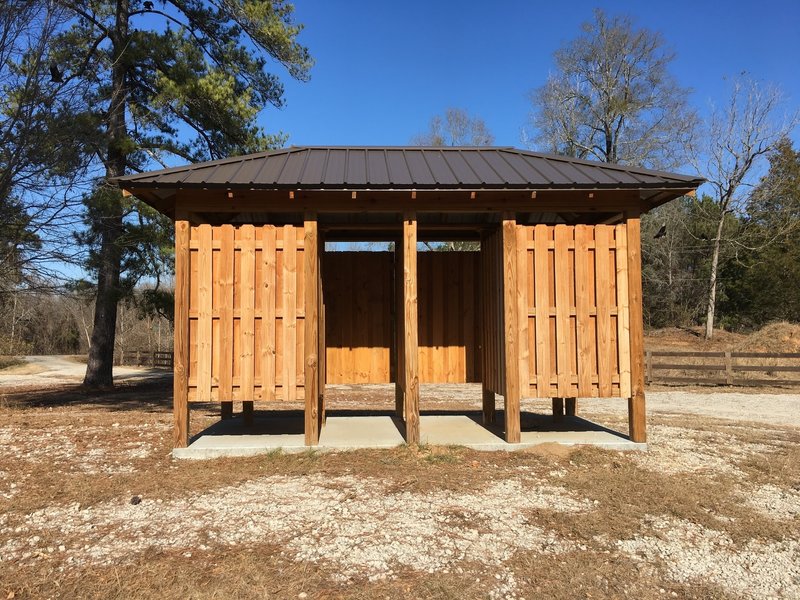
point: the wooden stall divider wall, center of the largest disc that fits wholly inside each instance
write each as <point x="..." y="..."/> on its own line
<point x="246" y="312"/>
<point x="574" y="292"/>
<point x="359" y="288"/>
<point x="575" y="315"/>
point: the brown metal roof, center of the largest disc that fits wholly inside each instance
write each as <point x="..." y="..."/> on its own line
<point x="311" y="167"/>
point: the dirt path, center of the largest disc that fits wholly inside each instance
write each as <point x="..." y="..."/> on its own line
<point x="774" y="409"/>
<point x="46" y="371"/>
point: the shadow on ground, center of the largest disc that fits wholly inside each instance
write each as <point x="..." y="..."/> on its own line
<point x="151" y="396"/>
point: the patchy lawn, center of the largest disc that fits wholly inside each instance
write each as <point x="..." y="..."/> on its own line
<point x="91" y="506"/>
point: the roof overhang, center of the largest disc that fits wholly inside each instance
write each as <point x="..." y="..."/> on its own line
<point x="367" y="178"/>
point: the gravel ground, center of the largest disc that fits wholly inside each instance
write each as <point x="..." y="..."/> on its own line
<point x="739" y="539"/>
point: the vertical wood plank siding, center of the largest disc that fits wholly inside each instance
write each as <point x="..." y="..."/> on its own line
<point x="577" y="311"/>
<point x="245" y="313"/>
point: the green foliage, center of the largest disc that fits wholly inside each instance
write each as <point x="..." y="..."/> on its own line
<point x="762" y="284"/>
<point x="759" y="272"/>
<point x="145" y="243"/>
<point x="149" y="82"/>
<point x="16" y="240"/>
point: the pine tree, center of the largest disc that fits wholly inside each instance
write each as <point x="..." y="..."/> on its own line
<point x="175" y="78"/>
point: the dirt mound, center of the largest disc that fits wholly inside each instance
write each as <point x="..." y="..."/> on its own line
<point x="691" y="339"/>
<point x="775" y="337"/>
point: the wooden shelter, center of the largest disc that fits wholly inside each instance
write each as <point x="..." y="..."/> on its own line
<point x="549" y="307"/>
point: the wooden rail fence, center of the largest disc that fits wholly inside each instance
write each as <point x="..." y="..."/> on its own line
<point x="661" y="367"/>
<point x="146" y="358"/>
<point x="722" y="368"/>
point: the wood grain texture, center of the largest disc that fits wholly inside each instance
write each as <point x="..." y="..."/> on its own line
<point x="226" y="286"/>
<point x="583" y="305"/>
<point x="511" y="330"/>
<point x="247" y="289"/>
<point x="311" y="331"/>
<point x="522" y="310"/>
<point x="181" y="343"/>
<point x="562" y="285"/>
<point x="411" y="346"/>
<point x="268" y="299"/>
<point x="542" y="308"/>
<point x="623" y="312"/>
<point x="400" y="336"/>
<point x="637" y="422"/>
<point x="204" y="309"/>
<point x="289" y="294"/>
<point x="603" y="291"/>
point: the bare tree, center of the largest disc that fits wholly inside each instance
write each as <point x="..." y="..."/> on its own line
<point x="40" y="161"/>
<point x="612" y="98"/>
<point x="736" y="140"/>
<point x="455" y="128"/>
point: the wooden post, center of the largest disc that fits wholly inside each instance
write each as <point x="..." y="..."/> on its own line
<point x="571" y="407"/>
<point x="225" y="351"/>
<point x="485" y="332"/>
<point x="510" y="329"/>
<point x="410" y="333"/>
<point x="181" y="369"/>
<point x="311" y="381"/>
<point x="637" y="422"/>
<point x="399" y="339"/>
<point x="322" y="366"/>
<point x="728" y="368"/>
<point x="247" y="412"/>
<point x="558" y="409"/>
<point x="488" y="406"/>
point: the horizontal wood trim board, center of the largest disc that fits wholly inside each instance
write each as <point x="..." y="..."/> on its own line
<point x="765" y="354"/>
<point x="776" y="368"/>
<point x="238" y="245"/>
<point x="739" y="382"/>
<point x="572" y="312"/>
<point x="687" y="367"/>
<point x="237" y="314"/>
<point x="685" y="353"/>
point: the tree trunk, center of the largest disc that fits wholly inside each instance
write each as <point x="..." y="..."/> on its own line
<point x="99" y="368"/>
<point x="109" y="223"/>
<point x="712" y="284"/>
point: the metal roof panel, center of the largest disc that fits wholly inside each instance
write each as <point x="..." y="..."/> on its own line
<point x="344" y="167"/>
<point x="377" y="167"/>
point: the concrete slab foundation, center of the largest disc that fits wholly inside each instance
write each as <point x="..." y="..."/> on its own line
<point x="285" y="434"/>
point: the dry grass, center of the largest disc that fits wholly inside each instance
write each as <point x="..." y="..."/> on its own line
<point x="62" y="448"/>
<point x="14" y="365"/>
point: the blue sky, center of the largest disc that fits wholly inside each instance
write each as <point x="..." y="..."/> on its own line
<point x="384" y="68"/>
